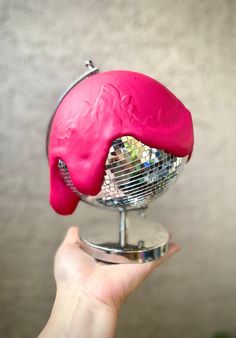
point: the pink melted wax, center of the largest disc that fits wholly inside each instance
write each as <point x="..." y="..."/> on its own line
<point x="100" y="109"/>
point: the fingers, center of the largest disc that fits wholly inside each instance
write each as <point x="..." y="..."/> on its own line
<point x="173" y="248"/>
<point x="148" y="267"/>
<point x="72" y="236"/>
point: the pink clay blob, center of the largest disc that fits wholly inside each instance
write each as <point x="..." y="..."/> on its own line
<point x="100" y="109"/>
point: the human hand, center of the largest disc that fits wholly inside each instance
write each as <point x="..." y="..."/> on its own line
<point x="92" y="290"/>
<point x="109" y="284"/>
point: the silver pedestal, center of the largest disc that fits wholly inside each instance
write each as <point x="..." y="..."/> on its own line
<point x="134" y="241"/>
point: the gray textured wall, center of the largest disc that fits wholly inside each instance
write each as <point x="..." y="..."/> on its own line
<point x="190" y="47"/>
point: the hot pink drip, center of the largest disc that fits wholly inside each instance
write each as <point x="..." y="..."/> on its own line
<point x="102" y="108"/>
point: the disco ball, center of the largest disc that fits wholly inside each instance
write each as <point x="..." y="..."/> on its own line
<point x="135" y="174"/>
<point x="118" y="140"/>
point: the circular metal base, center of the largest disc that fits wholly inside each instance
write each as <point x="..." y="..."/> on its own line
<point x="144" y="242"/>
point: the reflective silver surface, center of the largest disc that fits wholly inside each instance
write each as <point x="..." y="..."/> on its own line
<point x="135" y="174"/>
<point x="113" y="255"/>
<point x="139" y="241"/>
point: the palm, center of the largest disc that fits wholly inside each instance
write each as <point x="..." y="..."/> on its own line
<point x="110" y="284"/>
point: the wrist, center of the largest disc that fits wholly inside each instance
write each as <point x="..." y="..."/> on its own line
<point x="75" y="313"/>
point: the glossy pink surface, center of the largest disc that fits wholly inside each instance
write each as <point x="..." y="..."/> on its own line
<point x="102" y="108"/>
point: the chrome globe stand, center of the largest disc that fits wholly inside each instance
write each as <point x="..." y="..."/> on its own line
<point x="130" y="243"/>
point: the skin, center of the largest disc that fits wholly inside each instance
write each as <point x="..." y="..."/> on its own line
<point x="90" y="293"/>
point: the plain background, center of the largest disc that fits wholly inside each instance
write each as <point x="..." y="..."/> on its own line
<point x="190" y="47"/>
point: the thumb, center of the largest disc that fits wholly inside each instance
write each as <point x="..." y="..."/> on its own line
<point x="72" y="236"/>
